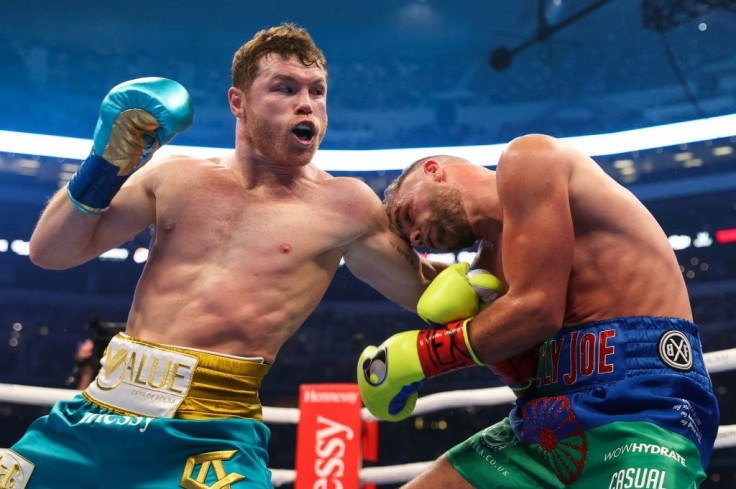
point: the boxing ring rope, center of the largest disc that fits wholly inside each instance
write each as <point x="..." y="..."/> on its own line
<point x="717" y="361"/>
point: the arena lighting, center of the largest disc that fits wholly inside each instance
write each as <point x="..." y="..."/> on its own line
<point x="396" y="159"/>
<point x="726" y="236"/>
<point x="702" y="240"/>
<point x="140" y="255"/>
<point x="115" y="254"/>
<point x="679" y="242"/>
<point x="448" y="258"/>
<point x="20" y="247"/>
<point x="682" y="241"/>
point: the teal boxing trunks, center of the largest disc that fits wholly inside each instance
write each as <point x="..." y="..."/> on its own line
<point x="621" y="403"/>
<point x="156" y="416"/>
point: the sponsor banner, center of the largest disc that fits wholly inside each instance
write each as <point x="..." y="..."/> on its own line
<point x="370" y="446"/>
<point x="328" y="438"/>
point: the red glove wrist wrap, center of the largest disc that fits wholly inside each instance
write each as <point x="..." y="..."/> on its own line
<point x="519" y="371"/>
<point x="443" y="349"/>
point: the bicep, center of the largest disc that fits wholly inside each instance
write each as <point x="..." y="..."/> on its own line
<point x="538" y="235"/>
<point x="131" y="211"/>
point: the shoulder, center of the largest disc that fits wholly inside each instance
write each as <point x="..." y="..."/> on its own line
<point x="181" y="159"/>
<point x="535" y="155"/>
<point x="352" y="192"/>
<point x="535" y="169"/>
<point x="171" y="170"/>
<point x="180" y="164"/>
<point x="355" y="207"/>
<point x="536" y="146"/>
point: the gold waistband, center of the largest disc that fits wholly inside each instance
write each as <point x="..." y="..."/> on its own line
<point x="221" y="386"/>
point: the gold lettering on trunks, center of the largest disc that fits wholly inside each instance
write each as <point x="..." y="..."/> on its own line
<point x="206" y="462"/>
<point x="14" y="470"/>
<point x="9" y="475"/>
<point x="126" y="366"/>
<point x="142" y="379"/>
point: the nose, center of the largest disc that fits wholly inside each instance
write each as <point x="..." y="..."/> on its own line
<point x="304" y="102"/>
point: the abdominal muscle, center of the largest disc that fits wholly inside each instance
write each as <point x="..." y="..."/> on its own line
<point x="249" y="308"/>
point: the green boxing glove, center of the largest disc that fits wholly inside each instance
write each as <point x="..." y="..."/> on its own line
<point x="458" y="292"/>
<point x="390" y="375"/>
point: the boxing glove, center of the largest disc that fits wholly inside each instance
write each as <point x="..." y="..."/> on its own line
<point x="449" y="298"/>
<point x="390" y="375"/>
<point x="486" y="285"/>
<point x="136" y="118"/>
<point x="456" y="293"/>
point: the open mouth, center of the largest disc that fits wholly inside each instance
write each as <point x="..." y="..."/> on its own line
<point x="304" y="131"/>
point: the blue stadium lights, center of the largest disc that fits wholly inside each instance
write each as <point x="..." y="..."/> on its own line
<point x="396" y="159"/>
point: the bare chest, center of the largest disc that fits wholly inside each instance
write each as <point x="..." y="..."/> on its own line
<point x="224" y="222"/>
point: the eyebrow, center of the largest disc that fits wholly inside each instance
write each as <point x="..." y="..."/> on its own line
<point x="278" y="77"/>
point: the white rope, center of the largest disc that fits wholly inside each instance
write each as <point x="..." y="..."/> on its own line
<point x="490" y="396"/>
<point x="392" y="474"/>
<point x="726" y="436"/>
<point x="718" y="361"/>
<point x="35" y="396"/>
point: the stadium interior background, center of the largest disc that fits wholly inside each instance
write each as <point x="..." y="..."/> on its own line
<point x="404" y="73"/>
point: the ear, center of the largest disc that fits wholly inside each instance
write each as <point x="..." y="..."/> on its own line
<point x="236" y="98"/>
<point x="434" y="168"/>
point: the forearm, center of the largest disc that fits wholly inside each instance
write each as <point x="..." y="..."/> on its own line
<point x="63" y="234"/>
<point x="509" y="327"/>
<point x="394" y="269"/>
<point x="429" y="270"/>
<point x="409" y="294"/>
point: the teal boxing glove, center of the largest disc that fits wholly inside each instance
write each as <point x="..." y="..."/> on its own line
<point x="390" y="375"/>
<point x="136" y="118"/>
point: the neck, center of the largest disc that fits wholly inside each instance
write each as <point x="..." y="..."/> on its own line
<point x="480" y="200"/>
<point x="259" y="170"/>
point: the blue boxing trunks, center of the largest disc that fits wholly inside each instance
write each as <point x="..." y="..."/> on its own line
<point x="621" y="403"/>
<point x="156" y="416"/>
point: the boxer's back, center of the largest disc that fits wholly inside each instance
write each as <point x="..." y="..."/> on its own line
<point x="623" y="264"/>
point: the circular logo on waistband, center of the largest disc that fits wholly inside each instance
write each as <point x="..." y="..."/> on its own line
<point x="675" y="350"/>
